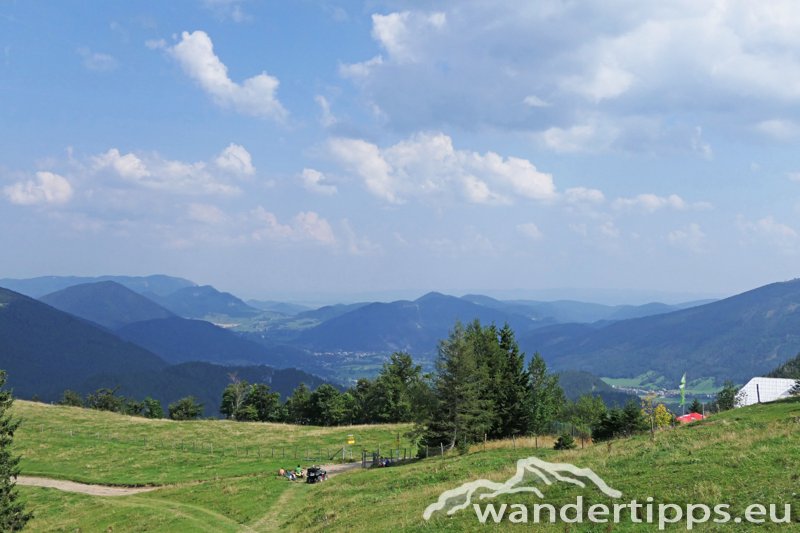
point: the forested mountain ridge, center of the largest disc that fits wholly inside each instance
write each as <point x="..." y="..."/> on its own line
<point x="735" y="338"/>
<point x="106" y="303"/>
<point x="45" y="350"/>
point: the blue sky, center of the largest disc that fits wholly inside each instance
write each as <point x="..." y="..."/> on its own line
<point x="319" y="149"/>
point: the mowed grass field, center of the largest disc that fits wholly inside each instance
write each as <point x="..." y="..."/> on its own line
<point x="741" y="457"/>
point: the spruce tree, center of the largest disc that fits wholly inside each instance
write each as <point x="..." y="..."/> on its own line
<point x="512" y="401"/>
<point x="12" y="511"/>
<point x="485" y="347"/>
<point x="463" y="412"/>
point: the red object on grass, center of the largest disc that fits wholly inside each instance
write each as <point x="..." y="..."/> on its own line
<point x="689" y="417"/>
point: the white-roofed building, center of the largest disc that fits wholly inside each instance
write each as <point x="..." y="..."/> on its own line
<point x="763" y="390"/>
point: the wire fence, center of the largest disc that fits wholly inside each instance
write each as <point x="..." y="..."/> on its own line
<point x="368" y="453"/>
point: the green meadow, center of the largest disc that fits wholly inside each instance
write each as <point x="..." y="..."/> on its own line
<point x="741" y="457"/>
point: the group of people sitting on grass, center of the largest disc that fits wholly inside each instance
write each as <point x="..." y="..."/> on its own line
<point x="292" y="475"/>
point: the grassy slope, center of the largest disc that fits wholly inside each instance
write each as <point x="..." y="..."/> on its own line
<point x="741" y="457"/>
<point x="224" y="489"/>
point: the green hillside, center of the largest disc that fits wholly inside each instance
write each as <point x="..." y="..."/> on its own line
<point x="218" y="475"/>
<point x="745" y="456"/>
<point x="740" y="457"/>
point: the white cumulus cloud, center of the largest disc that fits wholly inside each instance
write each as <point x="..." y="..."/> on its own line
<point x="152" y="171"/>
<point x="304" y="226"/>
<point x="428" y="164"/>
<point x="310" y="225"/>
<point x="256" y="96"/>
<point x="779" y="129"/>
<point x="583" y="195"/>
<point x="236" y="160"/>
<point x="366" y="161"/>
<point x="47" y="188"/>
<point x="650" y="203"/>
<point x="315" y="181"/>
<point x="691" y="237"/>
<point x="647" y="72"/>
<point x="397" y="32"/>
<point x="770" y="230"/>
<point x="127" y="166"/>
<point x="360" y="70"/>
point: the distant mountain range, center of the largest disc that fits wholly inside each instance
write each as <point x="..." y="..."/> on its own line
<point x="415" y="327"/>
<point x="204" y="302"/>
<point x="179" y="340"/>
<point x="735" y="338"/>
<point x="46" y="351"/>
<point x="567" y="311"/>
<point x="178" y="322"/>
<point x="141" y="321"/>
<point x="106" y="303"/>
<point x="36" y="287"/>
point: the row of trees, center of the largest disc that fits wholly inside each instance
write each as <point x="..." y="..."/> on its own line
<point x="106" y="399"/>
<point x="481" y="387"/>
<point x="396" y="395"/>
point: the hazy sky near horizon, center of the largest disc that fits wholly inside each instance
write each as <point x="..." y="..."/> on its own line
<point x="300" y="148"/>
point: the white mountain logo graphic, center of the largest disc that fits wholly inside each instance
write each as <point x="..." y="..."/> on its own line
<point x="532" y="468"/>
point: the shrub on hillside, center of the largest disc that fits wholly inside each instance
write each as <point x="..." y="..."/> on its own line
<point x="185" y="409"/>
<point x="70" y="397"/>
<point x="565" y="442"/>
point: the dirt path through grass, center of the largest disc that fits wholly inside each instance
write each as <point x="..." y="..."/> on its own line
<point x="82" y="488"/>
<point x="283" y="508"/>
